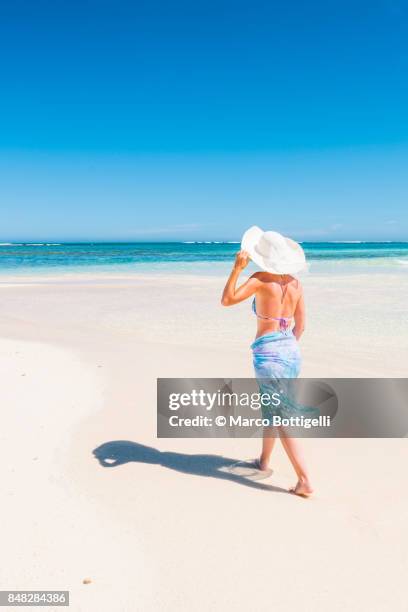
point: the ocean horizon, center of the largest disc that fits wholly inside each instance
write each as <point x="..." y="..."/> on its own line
<point x="187" y="257"/>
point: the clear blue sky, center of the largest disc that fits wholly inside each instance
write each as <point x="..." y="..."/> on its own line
<point x="193" y="120"/>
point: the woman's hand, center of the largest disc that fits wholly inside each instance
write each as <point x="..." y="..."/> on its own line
<point x="241" y="260"/>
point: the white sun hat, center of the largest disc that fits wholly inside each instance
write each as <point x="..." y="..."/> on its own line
<point x="273" y="252"/>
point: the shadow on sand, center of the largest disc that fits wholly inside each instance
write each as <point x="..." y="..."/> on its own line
<point x="118" y="452"/>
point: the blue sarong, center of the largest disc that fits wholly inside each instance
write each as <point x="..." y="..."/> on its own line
<point x="276" y="357"/>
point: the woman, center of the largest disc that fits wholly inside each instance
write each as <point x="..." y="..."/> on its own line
<point x="278" y="302"/>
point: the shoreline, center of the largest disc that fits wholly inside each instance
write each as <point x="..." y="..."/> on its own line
<point x="338" y="271"/>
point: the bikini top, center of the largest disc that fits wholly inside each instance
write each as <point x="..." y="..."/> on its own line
<point x="284" y="322"/>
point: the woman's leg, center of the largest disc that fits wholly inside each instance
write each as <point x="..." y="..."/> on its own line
<point x="268" y="442"/>
<point x="294" y="452"/>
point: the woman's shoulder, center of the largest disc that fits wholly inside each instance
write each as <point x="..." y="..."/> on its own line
<point x="262" y="277"/>
<point x="269" y="280"/>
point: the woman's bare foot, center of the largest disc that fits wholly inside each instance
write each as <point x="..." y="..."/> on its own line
<point x="262" y="464"/>
<point x="303" y="488"/>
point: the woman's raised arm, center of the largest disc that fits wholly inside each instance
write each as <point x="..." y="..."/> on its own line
<point x="233" y="295"/>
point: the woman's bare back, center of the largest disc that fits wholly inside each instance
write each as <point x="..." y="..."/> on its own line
<point x="277" y="297"/>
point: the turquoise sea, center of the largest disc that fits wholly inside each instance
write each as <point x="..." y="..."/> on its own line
<point x="27" y="259"/>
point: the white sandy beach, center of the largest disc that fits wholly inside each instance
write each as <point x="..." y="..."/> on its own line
<point x="172" y="532"/>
